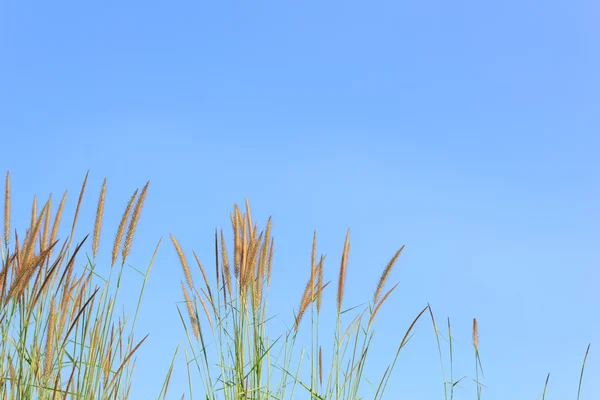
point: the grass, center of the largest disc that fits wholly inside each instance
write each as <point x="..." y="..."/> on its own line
<point x="63" y="338"/>
<point x="226" y="324"/>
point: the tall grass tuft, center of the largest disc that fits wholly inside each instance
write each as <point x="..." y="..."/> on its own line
<point x="237" y="357"/>
<point x="61" y="334"/>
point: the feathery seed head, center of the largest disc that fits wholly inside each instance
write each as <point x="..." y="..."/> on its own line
<point x="342" y="278"/>
<point x="98" y="222"/>
<point x="7" y="210"/>
<point x="121" y="229"/>
<point x="135" y="217"/>
<point x="385" y="275"/>
<point x="475" y="335"/>
<point x="183" y="261"/>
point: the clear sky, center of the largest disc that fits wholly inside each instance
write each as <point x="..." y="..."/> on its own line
<point x="467" y="130"/>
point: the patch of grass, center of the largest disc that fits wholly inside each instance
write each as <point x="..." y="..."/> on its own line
<point x="61" y="336"/>
<point x="226" y="325"/>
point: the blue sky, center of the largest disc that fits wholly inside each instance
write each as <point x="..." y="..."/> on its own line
<point x="466" y="130"/>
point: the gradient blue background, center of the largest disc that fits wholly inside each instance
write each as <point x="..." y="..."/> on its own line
<point x="467" y="130"/>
